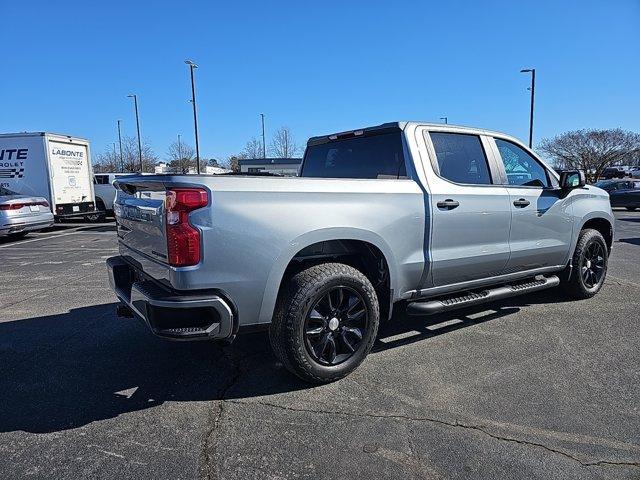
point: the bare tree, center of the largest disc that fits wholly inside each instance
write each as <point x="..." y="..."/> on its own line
<point x="181" y="156"/>
<point x="253" y="149"/>
<point x="232" y="162"/>
<point x="591" y="150"/>
<point x="283" y="144"/>
<point x="109" y="160"/>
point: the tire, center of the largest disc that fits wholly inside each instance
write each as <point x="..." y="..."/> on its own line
<point x="631" y="209"/>
<point x="325" y="323"/>
<point x="588" y="274"/>
<point x="18" y="236"/>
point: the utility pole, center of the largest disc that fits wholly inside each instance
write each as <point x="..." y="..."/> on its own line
<point x="193" y="66"/>
<point x="180" y="153"/>
<point x="120" y="142"/>
<point x="264" y="146"/>
<point x="446" y="120"/>
<point x="286" y="143"/>
<point x="135" y="103"/>
<point x="533" y="94"/>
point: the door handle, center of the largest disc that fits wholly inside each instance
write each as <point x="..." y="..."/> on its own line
<point x="448" y="204"/>
<point x="522" y="202"/>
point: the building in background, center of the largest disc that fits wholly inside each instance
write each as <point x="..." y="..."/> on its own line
<point x="165" y="168"/>
<point x="162" y="167"/>
<point x="214" y="170"/>
<point x="282" y="166"/>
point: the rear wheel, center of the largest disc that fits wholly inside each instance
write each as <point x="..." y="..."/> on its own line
<point x="589" y="265"/>
<point x="325" y="323"/>
<point x="19" y="235"/>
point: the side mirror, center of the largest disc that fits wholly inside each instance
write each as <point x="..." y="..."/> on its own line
<point x="570" y="179"/>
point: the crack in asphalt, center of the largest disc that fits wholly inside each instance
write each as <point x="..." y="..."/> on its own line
<point x="454" y="424"/>
<point x="209" y="446"/>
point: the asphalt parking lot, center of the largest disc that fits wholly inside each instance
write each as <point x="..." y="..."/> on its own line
<point x="533" y="387"/>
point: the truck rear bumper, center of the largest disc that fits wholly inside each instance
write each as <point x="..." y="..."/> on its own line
<point x="168" y="313"/>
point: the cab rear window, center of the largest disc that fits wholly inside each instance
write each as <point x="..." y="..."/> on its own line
<point x="372" y="156"/>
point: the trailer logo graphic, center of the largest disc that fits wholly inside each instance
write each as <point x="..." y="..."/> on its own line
<point x="11" y="164"/>
<point x="11" y="172"/>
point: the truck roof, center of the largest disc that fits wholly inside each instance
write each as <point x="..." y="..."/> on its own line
<point x="399" y="126"/>
<point x="42" y="134"/>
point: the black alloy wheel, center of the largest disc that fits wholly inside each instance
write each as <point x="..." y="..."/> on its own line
<point x="592" y="264"/>
<point x="335" y="325"/>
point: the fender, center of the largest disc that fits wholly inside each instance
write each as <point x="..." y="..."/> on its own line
<point x="309" y="238"/>
<point x="590" y="216"/>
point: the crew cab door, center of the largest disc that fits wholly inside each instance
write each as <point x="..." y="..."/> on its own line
<point x="470" y="214"/>
<point x="541" y="216"/>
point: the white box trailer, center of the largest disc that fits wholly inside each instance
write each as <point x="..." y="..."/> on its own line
<point x="56" y="167"/>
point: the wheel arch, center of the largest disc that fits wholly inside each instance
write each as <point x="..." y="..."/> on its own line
<point x="344" y="244"/>
<point x="602" y="225"/>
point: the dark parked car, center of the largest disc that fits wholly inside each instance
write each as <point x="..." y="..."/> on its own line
<point x="622" y="193"/>
<point x="613" y="172"/>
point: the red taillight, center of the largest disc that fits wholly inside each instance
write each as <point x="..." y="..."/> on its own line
<point x="183" y="240"/>
<point x="11" y="206"/>
<point x="18" y="206"/>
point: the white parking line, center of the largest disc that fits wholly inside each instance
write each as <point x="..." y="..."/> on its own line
<point x="36" y="239"/>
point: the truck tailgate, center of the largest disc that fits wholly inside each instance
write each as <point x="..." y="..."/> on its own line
<point x="140" y="214"/>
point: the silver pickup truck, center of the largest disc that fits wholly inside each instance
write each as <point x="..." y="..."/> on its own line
<point x="424" y="217"/>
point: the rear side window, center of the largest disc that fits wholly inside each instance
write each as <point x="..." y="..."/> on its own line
<point x="102" y="179"/>
<point x="520" y="167"/>
<point x="373" y="156"/>
<point x="461" y="158"/>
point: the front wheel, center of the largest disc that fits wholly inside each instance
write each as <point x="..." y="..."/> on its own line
<point x="590" y="260"/>
<point x="325" y="323"/>
<point x="17" y="236"/>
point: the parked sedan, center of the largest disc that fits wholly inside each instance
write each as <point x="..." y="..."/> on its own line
<point x="21" y="214"/>
<point x="622" y="193"/>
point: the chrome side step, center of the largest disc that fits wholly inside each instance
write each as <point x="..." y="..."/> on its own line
<point x="468" y="299"/>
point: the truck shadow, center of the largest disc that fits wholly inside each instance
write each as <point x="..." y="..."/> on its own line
<point x="632" y="241"/>
<point x="64" y="371"/>
<point x="405" y="330"/>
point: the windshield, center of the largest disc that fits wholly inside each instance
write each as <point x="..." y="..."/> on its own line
<point x="6" y="191"/>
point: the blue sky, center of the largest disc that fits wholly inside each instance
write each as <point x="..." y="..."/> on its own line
<point x="317" y="67"/>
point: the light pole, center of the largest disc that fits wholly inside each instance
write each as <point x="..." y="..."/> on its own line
<point x="192" y="66"/>
<point x="180" y="153"/>
<point x="120" y="142"/>
<point x="135" y="104"/>
<point x="264" y="146"/>
<point x="446" y="120"/>
<point x="533" y="94"/>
